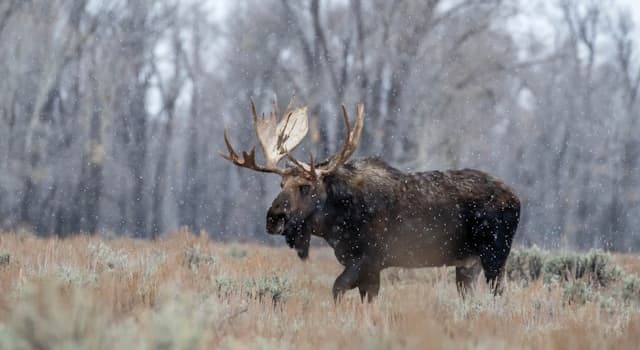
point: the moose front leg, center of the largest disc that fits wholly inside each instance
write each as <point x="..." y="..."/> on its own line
<point x="369" y="284"/>
<point x="348" y="279"/>
<point x="359" y="273"/>
<point x="345" y="281"/>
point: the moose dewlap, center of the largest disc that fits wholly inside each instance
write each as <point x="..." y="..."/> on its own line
<point x="375" y="216"/>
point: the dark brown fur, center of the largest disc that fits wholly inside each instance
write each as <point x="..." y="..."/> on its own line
<point x="375" y="216"/>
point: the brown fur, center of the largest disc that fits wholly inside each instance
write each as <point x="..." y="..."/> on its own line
<point x="375" y="216"/>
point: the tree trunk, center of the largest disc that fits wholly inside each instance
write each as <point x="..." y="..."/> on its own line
<point x="160" y="177"/>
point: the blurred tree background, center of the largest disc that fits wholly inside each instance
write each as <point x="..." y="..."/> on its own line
<point x="112" y="112"/>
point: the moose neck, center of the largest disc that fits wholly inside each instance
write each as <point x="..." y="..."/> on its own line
<point x="356" y="195"/>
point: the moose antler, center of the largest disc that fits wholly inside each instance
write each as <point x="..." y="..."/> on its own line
<point x="352" y="139"/>
<point x="276" y="138"/>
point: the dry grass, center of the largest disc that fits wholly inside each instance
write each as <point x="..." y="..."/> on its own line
<point x="186" y="292"/>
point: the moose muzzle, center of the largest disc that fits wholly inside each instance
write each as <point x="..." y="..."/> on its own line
<point x="276" y="221"/>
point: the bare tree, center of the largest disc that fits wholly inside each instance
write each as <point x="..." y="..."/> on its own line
<point x="109" y="111"/>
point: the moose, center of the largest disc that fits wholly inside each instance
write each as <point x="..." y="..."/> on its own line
<point x="375" y="216"/>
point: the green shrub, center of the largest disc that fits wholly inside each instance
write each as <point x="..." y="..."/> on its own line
<point x="76" y="277"/>
<point x="224" y="286"/>
<point x="235" y="251"/>
<point x="194" y="257"/>
<point x="525" y="265"/>
<point x="51" y="316"/>
<point x="577" y="292"/>
<point x="273" y="288"/>
<point x="595" y="267"/>
<point x="103" y="256"/>
<point x="600" y="267"/>
<point x="631" y="288"/>
<point x="5" y="259"/>
<point x="559" y="268"/>
<point x="181" y="323"/>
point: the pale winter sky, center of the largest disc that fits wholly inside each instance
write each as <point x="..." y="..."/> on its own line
<point x="533" y="10"/>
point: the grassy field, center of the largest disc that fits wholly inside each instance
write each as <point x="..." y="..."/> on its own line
<point x="185" y="292"/>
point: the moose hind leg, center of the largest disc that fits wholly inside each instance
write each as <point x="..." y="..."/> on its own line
<point x="493" y="263"/>
<point x="466" y="276"/>
<point x="498" y="235"/>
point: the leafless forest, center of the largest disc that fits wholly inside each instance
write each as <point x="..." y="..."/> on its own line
<point x="112" y="112"/>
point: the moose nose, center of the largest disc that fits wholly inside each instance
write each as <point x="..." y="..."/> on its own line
<point x="275" y="221"/>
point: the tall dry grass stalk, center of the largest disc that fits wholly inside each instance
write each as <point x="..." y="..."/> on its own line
<point x="185" y="292"/>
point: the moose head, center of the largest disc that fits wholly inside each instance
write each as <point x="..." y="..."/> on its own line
<point x="303" y="190"/>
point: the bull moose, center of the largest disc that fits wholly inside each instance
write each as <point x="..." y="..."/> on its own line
<point x="374" y="216"/>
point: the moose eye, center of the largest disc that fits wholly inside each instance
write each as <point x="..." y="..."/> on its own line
<point x="305" y="189"/>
